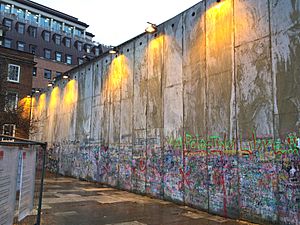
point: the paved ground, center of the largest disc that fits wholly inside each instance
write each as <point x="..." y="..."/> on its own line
<point x="69" y="201"/>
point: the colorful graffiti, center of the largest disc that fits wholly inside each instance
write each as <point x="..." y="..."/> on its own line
<point x="262" y="179"/>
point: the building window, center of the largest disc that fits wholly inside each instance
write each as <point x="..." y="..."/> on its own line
<point x="11" y="103"/>
<point x="57" y="26"/>
<point x="34" y="70"/>
<point x="13" y="73"/>
<point x="21" y="28"/>
<point x="47" y="74"/>
<point x="7" y="43"/>
<point x="21" y="46"/>
<point x="32" y="48"/>
<point x="32" y="31"/>
<point x="45" y="22"/>
<point x="33" y="18"/>
<point x="78" y="32"/>
<point x="87" y="48"/>
<point x="68" y="42"/>
<point x="46" y="36"/>
<point x="57" y="39"/>
<point x="7" y="23"/>
<point x="80" y="61"/>
<point x="58" y="74"/>
<point x="6" y="8"/>
<point x="20" y="13"/>
<point x="9" y="130"/>
<point x="47" y="54"/>
<point x="68" y="59"/>
<point x="79" y="46"/>
<point x="58" y="56"/>
<point x="97" y="51"/>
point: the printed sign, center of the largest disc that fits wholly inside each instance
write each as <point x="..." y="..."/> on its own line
<point x="8" y="182"/>
<point x="27" y="183"/>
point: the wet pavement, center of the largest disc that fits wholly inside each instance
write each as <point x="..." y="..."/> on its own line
<point x="68" y="201"/>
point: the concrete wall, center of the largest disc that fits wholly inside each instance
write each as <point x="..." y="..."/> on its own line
<point x="206" y="112"/>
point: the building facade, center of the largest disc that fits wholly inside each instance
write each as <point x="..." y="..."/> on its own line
<point x="58" y="41"/>
<point x="15" y="91"/>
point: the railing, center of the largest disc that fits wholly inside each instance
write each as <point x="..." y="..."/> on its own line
<point x="22" y="171"/>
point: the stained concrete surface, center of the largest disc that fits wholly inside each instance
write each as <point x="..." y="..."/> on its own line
<point x="69" y="201"/>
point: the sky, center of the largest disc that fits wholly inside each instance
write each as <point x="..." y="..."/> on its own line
<point x="116" y="21"/>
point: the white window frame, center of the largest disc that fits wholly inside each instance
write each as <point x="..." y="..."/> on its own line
<point x="19" y="72"/>
<point x="13" y="133"/>
<point x="17" y="99"/>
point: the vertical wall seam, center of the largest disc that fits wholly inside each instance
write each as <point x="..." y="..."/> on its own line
<point x="276" y="192"/>
<point x="206" y="103"/>
<point x="132" y="116"/>
<point x="235" y="104"/>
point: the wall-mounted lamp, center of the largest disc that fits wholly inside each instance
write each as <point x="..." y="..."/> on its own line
<point x="114" y="50"/>
<point x="50" y="84"/>
<point x="65" y="77"/>
<point x="37" y="91"/>
<point x="152" y="28"/>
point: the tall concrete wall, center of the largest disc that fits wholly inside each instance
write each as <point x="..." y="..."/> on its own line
<point x="205" y="112"/>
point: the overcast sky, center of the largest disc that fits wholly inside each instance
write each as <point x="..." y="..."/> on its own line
<point x="116" y="21"/>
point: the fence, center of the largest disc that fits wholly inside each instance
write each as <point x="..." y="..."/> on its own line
<point x="22" y="171"/>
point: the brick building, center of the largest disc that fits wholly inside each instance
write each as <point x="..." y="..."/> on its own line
<point x="15" y="90"/>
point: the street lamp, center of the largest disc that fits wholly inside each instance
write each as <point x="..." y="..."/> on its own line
<point x="113" y="50"/>
<point x="152" y="28"/>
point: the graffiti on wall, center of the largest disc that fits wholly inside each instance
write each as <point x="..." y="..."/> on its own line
<point x="261" y="179"/>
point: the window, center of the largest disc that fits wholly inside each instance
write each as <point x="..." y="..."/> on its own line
<point x="46" y="35"/>
<point x="45" y="22"/>
<point x="32" y="17"/>
<point x="97" y="51"/>
<point x="20" y="28"/>
<point x="11" y="102"/>
<point x="68" y="29"/>
<point x="34" y="70"/>
<point x="9" y="130"/>
<point x="79" y="46"/>
<point x="20" y="13"/>
<point x="68" y="59"/>
<point x="78" y="32"/>
<point x="47" y="74"/>
<point x="47" y="53"/>
<point x="32" y="31"/>
<point x="68" y="42"/>
<point x="21" y="46"/>
<point x="80" y="61"/>
<point x="58" y="56"/>
<point x="7" y="43"/>
<point x="88" y="48"/>
<point x="57" y="39"/>
<point x="58" y="74"/>
<point x="7" y="23"/>
<point x="57" y="26"/>
<point x="6" y="8"/>
<point x="32" y="48"/>
<point x="13" y="73"/>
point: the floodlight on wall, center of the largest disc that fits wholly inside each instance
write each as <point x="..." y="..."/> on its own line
<point x="113" y="50"/>
<point x="151" y="28"/>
